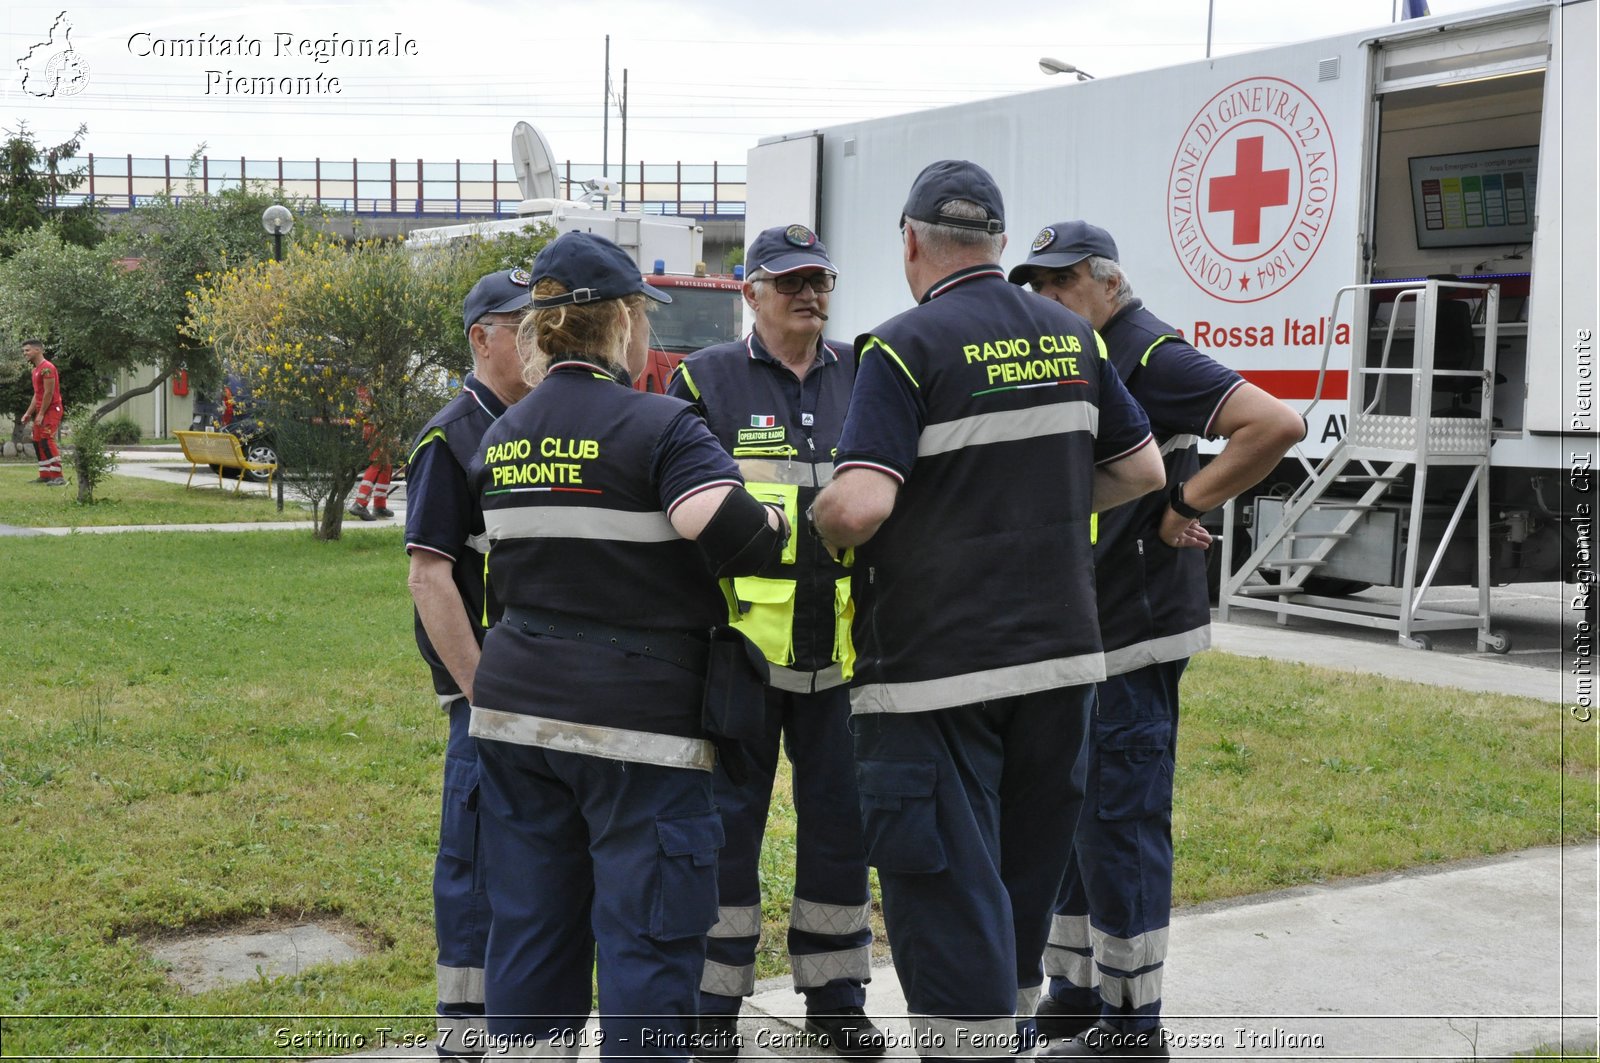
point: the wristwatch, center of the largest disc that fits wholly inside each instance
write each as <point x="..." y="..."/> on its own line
<point x="1179" y="506"/>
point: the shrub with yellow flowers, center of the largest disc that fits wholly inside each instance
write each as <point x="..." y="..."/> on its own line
<point x="346" y="349"/>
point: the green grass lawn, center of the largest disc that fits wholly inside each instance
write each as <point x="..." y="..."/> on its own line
<point x="132" y="500"/>
<point x="199" y="729"/>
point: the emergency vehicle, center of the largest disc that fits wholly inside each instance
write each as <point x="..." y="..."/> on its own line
<point x="704" y="309"/>
<point x="1392" y="230"/>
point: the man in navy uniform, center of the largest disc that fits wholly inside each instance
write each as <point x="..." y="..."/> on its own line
<point x="776" y="400"/>
<point x="444" y="533"/>
<point x="983" y="433"/>
<point x="1108" y="941"/>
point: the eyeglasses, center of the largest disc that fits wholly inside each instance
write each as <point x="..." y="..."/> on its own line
<point x="791" y="283"/>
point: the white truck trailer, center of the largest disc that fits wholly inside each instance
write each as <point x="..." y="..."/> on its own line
<point x="1393" y="230"/>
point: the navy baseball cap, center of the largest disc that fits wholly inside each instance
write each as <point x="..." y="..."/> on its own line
<point x="786" y="248"/>
<point x="590" y="268"/>
<point x="1065" y="244"/>
<point x="497" y="293"/>
<point x="951" y="179"/>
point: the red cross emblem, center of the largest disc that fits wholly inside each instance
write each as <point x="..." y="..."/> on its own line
<point x="1249" y="190"/>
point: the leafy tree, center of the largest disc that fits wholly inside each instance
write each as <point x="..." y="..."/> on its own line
<point x="121" y="304"/>
<point x="345" y="349"/>
<point x="71" y="297"/>
<point x="31" y="183"/>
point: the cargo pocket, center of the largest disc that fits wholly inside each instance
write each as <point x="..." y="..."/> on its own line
<point x="685" y="902"/>
<point x="786" y="496"/>
<point x="458" y="818"/>
<point x="899" y="815"/>
<point x="766" y="615"/>
<point x="1135" y="771"/>
<point x="844" y="615"/>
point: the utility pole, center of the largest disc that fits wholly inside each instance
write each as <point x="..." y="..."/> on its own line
<point x="624" y="110"/>
<point x="605" y="117"/>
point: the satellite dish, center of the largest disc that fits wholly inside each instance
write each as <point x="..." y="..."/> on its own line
<point x="533" y="163"/>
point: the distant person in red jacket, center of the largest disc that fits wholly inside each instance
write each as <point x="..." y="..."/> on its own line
<point x="44" y="413"/>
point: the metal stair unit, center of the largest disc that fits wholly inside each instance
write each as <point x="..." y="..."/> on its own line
<point x="1376" y="450"/>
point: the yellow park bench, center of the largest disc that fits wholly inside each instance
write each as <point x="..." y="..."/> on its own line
<point x="221" y="450"/>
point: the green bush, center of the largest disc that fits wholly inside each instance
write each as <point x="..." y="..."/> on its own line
<point x="122" y="431"/>
<point x="90" y="459"/>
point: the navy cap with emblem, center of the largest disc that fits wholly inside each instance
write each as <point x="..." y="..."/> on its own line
<point x="497" y="293"/>
<point x="941" y="183"/>
<point x="590" y="268"/>
<point x="786" y="248"/>
<point x="1062" y="245"/>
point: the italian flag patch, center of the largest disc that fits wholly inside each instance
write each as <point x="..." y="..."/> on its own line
<point x="762" y="420"/>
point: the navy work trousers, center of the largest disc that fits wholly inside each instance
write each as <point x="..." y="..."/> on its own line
<point x="1108" y="941"/>
<point x="460" y="905"/>
<point x="595" y="867"/>
<point x="829" y="936"/>
<point x="969" y="814"/>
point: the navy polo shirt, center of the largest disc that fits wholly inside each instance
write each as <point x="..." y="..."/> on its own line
<point x="442" y="512"/>
<point x="1154" y="604"/>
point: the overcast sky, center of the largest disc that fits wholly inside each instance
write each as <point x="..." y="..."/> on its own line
<point x="706" y="78"/>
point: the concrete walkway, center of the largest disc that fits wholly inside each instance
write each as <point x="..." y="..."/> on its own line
<point x="1469" y="961"/>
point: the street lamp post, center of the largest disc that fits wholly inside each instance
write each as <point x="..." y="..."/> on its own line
<point x="1056" y="66"/>
<point x="277" y="220"/>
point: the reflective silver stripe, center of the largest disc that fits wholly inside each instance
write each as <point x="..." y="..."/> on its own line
<point x="460" y="1033"/>
<point x="796" y="682"/>
<point x="979" y="686"/>
<point x="1181" y="442"/>
<point x="1007" y="426"/>
<point x="814" y="917"/>
<point x="577" y="522"/>
<point x="1076" y="967"/>
<point x="727" y="981"/>
<point x="459" y="985"/>
<point x="480" y="542"/>
<point x="784" y="471"/>
<point x="1130" y="954"/>
<point x="615" y="743"/>
<point x="737" y="923"/>
<point x="820" y="968"/>
<point x="447" y="700"/>
<point x="1158" y="651"/>
<point x="1139" y="991"/>
<point x="1070" y="931"/>
<point x="1028" y="999"/>
<point x="933" y="1037"/>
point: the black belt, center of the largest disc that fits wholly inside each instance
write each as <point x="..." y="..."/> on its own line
<point x="687" y="651"/>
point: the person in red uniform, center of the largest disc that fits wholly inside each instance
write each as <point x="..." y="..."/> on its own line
<point x="374" y="486"/>
<point x="44" y="413"/>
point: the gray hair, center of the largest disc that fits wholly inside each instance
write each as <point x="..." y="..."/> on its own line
<point x="942" y="240"/>
<point x="1103" y="269"/>
<point x="758" y="274"/>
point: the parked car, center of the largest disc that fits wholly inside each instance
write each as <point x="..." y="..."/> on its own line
<point x="233" y="412"/>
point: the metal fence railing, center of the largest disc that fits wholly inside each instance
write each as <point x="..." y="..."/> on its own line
<point x="407" y="187"/>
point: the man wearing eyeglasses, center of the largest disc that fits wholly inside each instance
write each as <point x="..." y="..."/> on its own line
<point x="1108" y="939"/>
<point x="445" y="541"/>
<point x="776" y="400"/>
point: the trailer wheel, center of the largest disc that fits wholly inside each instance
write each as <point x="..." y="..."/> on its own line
<point x="1495" y="642"/>
<point x="1417" y="642"/>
